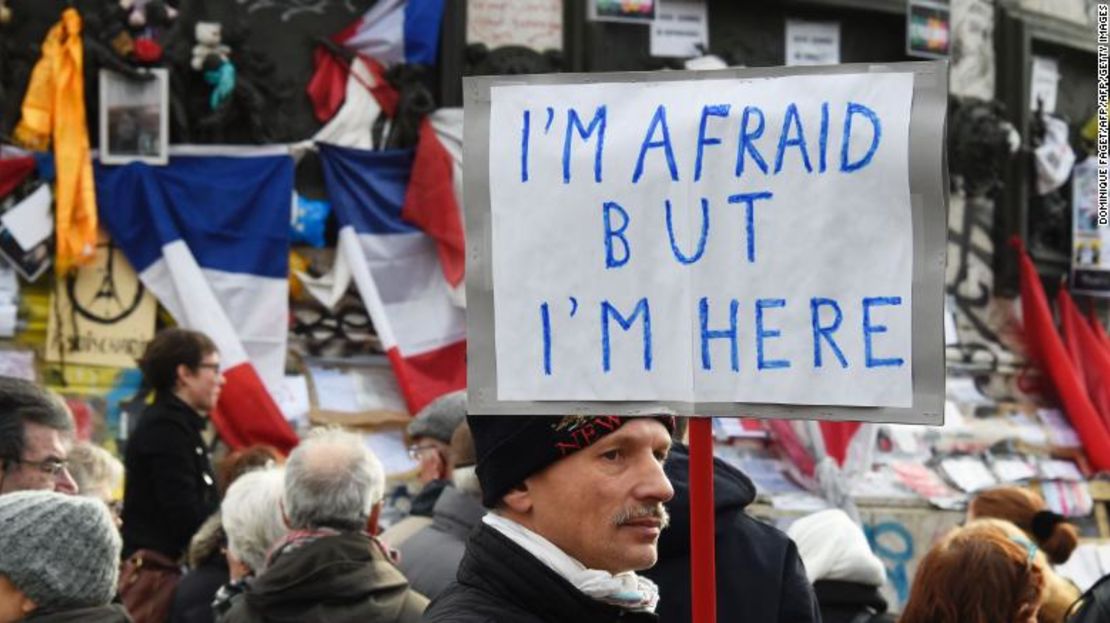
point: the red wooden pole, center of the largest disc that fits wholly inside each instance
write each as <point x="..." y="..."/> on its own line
<point x="703" y="568"/>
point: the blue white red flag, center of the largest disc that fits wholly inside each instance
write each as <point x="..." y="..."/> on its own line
<point x="209" y="236"/>
<point x="394" y="240"/>
<point x="396" y="31"/>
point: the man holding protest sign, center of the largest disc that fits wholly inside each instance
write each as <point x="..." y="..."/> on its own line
<point x="577" y="509"/>
<point x="765" y="243"/>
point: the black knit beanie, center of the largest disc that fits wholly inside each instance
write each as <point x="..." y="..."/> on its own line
<point x="511" y="448"/>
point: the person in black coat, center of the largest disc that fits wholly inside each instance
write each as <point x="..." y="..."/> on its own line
<point x="170" y="488"/>
<point x="760" y="578"/>
<point x="192" y="600"/>
<point x="501" y="582"/>
<point x="577" y="510"/>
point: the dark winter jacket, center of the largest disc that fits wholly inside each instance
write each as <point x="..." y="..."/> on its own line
<point x="430" y="558"/>
<point x="500" y="582"/>
<point x="113" y="613"/>
<point x="192" y="600"/>
<point x="335" y="579"/>
<point x="170" y="488"/>
<point x="760" y="578"/>
<point x="193" y="597"/>
<point x="424" y="503"/>
<point x="850" y="602"/>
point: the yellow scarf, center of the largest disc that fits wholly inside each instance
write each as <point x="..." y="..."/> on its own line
<point x="54" y="107"/>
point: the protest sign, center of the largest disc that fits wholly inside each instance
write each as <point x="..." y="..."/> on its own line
<point x="101" y="315"/>
<point x="766" y="242"/>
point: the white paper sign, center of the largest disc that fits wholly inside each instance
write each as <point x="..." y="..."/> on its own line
<point x="745" y="240"/>
<point x="812" y="43"/>
<point x="537" y="24"/>
<point x="31" y="221"/>
<point x="680" y="26"/>
<point x="1044" y="82"/>
<point x="18" y="363"/>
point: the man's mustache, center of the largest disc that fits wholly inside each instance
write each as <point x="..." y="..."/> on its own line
<point x="653" y="511"/>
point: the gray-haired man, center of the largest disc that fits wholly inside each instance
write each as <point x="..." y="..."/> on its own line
<point x="329" y="567"/>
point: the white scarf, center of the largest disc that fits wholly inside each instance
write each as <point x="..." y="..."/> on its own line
<point x="626" y="590"/>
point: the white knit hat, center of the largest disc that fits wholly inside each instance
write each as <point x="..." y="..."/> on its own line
<point x="833" y="547"/>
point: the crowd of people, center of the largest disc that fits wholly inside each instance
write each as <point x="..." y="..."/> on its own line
<point x="551" y="519"/>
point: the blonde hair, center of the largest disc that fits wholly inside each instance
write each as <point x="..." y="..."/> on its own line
<point x="96" y="471"/>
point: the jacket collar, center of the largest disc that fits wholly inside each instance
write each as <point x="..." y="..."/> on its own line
<point x="337" y="565"/>
<point x="179" y="409"/>
<point x="495" y="565"/>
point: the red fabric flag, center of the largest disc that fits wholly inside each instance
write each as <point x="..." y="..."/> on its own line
<point x="1048" y="350"/>
<point x="247" y="415"/>
<point x="1090" y="358"/>
<point x="327" y="89"/>
<point x="430" y="203"/>
<point x="838" y="436"/>
<point x="792" y="446"/>
<point x="13" y="171"/>
<point x="328" y="86"/>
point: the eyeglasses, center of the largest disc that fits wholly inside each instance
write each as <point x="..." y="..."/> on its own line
<point x="215" y="367"/>
<point x="415" y="452"/>
<point x="54" y="467"/>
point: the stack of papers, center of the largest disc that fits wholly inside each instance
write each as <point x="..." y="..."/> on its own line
<point x="1060" y="432"/>
<point x="968" y="473"/>
<point x="1070" y="499"/>
<point x="1088" y="563"/>
<point x="1012" y="469"/>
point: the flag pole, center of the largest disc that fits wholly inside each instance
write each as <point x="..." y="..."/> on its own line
<point x="703" y="570"/>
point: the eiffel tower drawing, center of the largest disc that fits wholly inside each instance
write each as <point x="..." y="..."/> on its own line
<point x="111" y="307"/>
<point x="107" y="288"/>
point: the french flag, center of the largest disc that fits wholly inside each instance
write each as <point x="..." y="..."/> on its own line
<point x="401" y="248"/>
<point x="396" y="31"/>
<point x="209" y="236"/>
<point x="391" y="32"/>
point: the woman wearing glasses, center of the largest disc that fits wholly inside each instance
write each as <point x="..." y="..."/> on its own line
<point x="171" y="488"/>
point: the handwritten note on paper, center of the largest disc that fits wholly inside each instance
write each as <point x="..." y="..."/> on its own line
<point x="704" y="240"/>
<point x="680" y="27"/>
<point x="812" y="43"/>
<point x="536" y="24"/>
